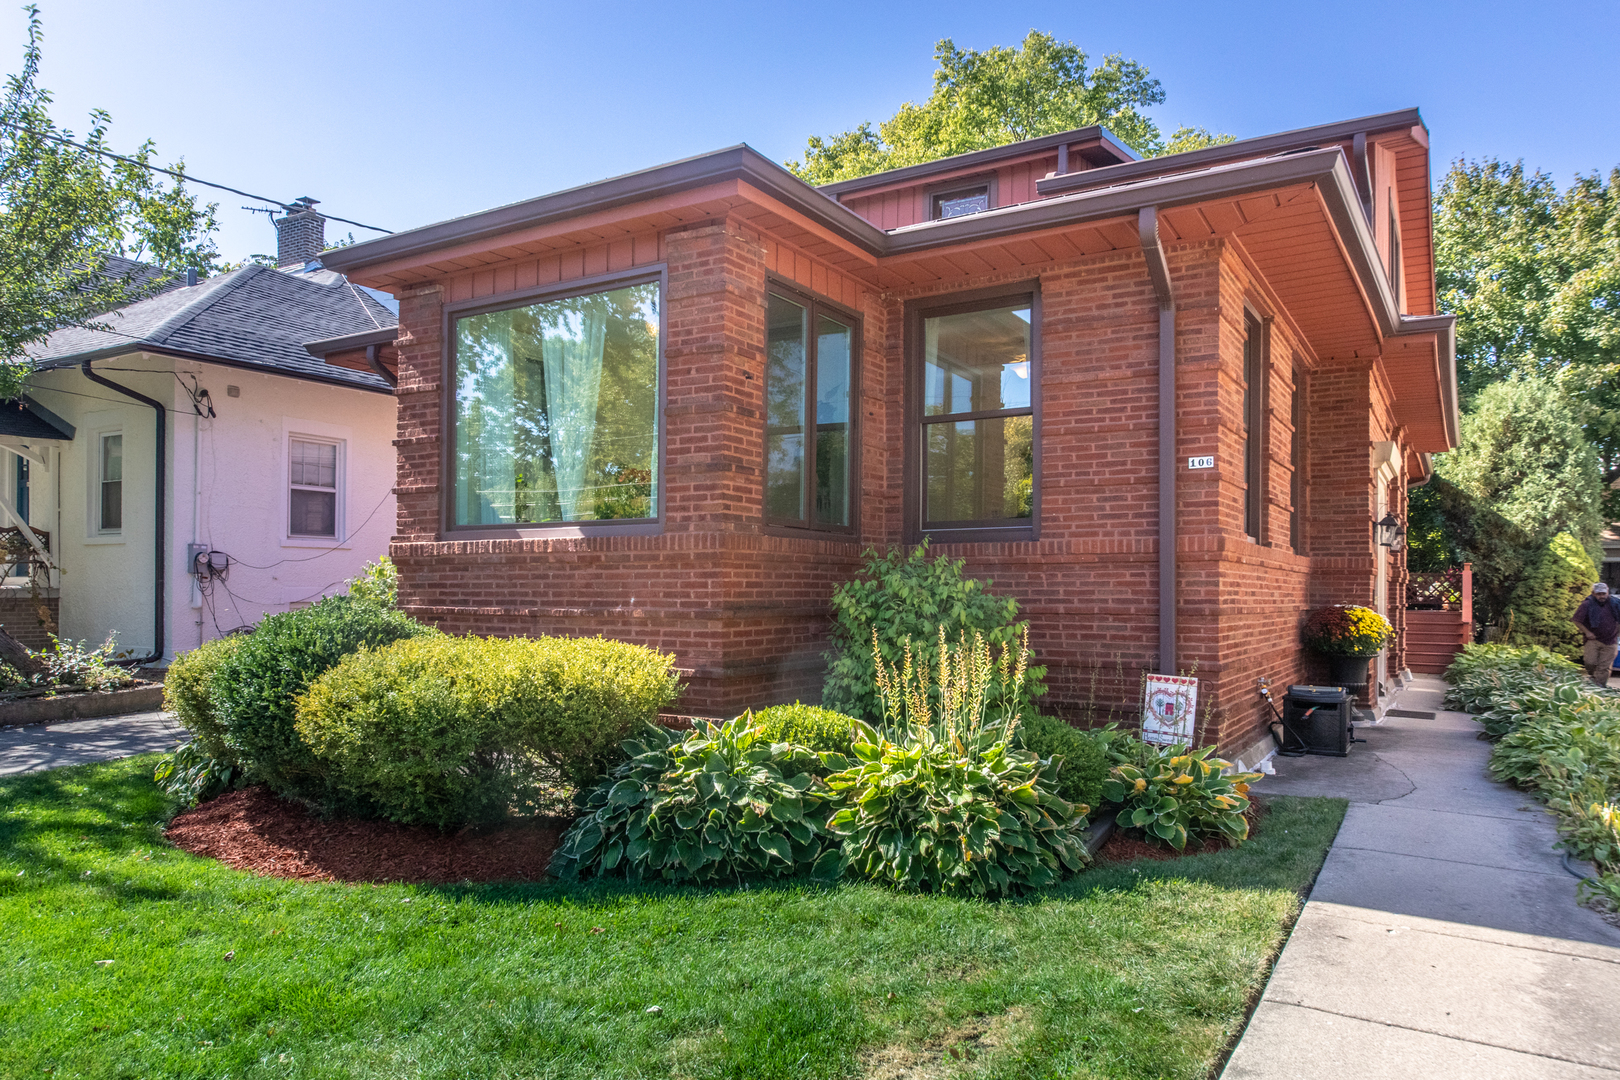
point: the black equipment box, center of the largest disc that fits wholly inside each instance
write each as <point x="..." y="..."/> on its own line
<point x="1317" y="720"/>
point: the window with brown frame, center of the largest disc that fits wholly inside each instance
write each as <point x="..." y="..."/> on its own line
<point x="959" y="202"/>
<point x="975" y="381"/>
<point x="1394" y="250"/>
<point x="810" y="372"/>
<point x="1253" y="426"/>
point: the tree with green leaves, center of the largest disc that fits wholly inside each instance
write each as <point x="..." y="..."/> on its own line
<point x="65" y="207"/>
<point x="1522" y="474"/>
<point x="999" y="96"/>
<point x="1554" y="585"/>
<point x="1533" y="275"/>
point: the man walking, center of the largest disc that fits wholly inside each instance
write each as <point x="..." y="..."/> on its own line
<point x="1599" y="620"/>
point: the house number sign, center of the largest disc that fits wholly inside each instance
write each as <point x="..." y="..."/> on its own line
<point x="1169" y="707"/>
<point x="1201" y="462"/>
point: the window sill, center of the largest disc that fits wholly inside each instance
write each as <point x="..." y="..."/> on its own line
<point x="980" y="535"/>
<point x="570" y="531"/>
<point x="315" y="542"/>
<point x="796" y="532"/>
<point x="99" y="540"/>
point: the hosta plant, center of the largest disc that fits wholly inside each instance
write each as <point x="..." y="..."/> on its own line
<point x="715" y="804"/>
<point x="938" y="797"/>
<point x="191" y="774"/>
<point x="1181" y="793"/>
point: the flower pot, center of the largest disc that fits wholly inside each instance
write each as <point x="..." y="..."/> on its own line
<point x="1350" y="672"/>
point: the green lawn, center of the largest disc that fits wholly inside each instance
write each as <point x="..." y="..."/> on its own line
<point x="1139" y="971"/>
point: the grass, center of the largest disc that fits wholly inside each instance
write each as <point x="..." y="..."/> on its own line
<point x="1126" y="971"/>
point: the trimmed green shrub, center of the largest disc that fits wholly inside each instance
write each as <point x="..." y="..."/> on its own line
<point x="805" y="725"/>
<point x="255" y="688"/>
<point x="719" y="803"/>
<point x="1178" y="793"/>
<point x="906" y="595"/>
<point x="188" y="692"/>
<point x="1079" y="764"/>
<point x="1553" y="587"/>
<point x="445" y="731"/>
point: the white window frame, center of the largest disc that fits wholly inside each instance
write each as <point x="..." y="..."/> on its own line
<point x="339" y="525"/>
<point x="97" y="468"/>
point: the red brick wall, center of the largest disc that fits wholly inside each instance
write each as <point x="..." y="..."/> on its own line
<point x="20" y="616"/>
<point x="746" y="611"/>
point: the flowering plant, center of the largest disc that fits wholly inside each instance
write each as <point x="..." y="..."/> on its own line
<point x="1347" y="630"/>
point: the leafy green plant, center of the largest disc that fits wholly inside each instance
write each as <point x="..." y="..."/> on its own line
<point x="806" y="725"/>
<point x="937" y="796"/>
<point x="377" y="583"/>
<point x="1077" y="761"/>
<point x="255" y="688"/>
<point x="1180" y="793"/>
<point x="188" y="692"/>
<point x="450" y="730"/>
<point x="192" y="774"/>
<point x="901" y="596"/>
<point x="717" y="804"/>
<point x="73" y="664"/>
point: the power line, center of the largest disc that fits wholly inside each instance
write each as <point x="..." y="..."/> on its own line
<point x="186" y="177"/>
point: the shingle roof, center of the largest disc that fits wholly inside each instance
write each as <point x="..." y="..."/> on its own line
<point x="23" y="419"/>
<point x="253" y="317"/>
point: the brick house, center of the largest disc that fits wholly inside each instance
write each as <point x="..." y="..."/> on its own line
<point x="605" y="398"/>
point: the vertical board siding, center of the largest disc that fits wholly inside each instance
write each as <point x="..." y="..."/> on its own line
<point x="555" y="268"/>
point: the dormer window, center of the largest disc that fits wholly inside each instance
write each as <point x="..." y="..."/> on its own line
<point x="960" y="201"/>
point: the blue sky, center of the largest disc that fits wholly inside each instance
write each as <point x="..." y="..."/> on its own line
<point x="404" y="113"/>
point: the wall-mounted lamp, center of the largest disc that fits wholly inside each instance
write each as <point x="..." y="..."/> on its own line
<point x="1391" y="533"/>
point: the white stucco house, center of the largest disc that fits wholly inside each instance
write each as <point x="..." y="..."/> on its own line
<point x="199" y="464"/>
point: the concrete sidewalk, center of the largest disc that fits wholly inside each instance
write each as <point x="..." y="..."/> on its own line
<point x="1443" y="932"/>
<point x="75" y="742"/>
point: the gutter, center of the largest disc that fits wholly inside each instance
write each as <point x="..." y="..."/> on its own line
<point x="1147" y="225"/>
<point x="79" y="359"/>
<point x="160" y="532"/>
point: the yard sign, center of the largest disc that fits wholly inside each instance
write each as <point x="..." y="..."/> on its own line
<point x="1169" y="705"/>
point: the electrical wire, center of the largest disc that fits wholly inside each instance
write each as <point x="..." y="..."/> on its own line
<point x="325" y="551"/>
<point x="186" y="177"/>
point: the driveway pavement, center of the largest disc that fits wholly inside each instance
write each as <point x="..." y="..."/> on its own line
<point x="1442" y="936"/>
<point x="75" y="742"/>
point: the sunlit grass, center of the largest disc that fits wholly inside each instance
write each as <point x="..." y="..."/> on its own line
<point x="1140" y="971"/>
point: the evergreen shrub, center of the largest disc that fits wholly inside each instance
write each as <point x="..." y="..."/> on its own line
<point x="451" y="730"/>
<point x="188" y="692"/>
<point x="255" y="687"/>
<point x="1079" y="761"/>
<point x="901" y="596"/>
<point x="815" y="728"/>
<point x="1556" y="582"/>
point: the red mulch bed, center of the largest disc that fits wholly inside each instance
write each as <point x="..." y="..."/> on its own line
<point x="1128" y="845"/>
<point x="254" y="830"/>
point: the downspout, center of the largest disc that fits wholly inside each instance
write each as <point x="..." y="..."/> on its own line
<point x="377" y="366"/>
<point x="160" y="530"/>
<point x="1147" y="222"/>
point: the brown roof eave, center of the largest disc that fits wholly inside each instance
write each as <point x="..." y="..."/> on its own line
<point x="1444" y="327"/>
<point x="1263" y="145"/>
<point x="735" y="163"/>
<point x="384" y="335"/>
<point x="978" y="158"/>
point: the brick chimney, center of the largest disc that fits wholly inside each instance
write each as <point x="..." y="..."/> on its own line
<point x="300" y="234"/>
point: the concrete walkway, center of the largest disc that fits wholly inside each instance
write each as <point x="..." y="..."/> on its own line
<point x="1442" y="936"/>
<point x="75" y="742"/>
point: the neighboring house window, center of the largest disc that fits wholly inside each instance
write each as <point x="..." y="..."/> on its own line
<point x="22" y="488"/>
<point x="960" y="201"/>
<point x="977" y="419"/>
<point x="314" y="482"/>
<point x="1253" y="427"/>
<point x="110" y="472"/>
<point x="556" y="410"/>
<point x="809" y="407"/>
